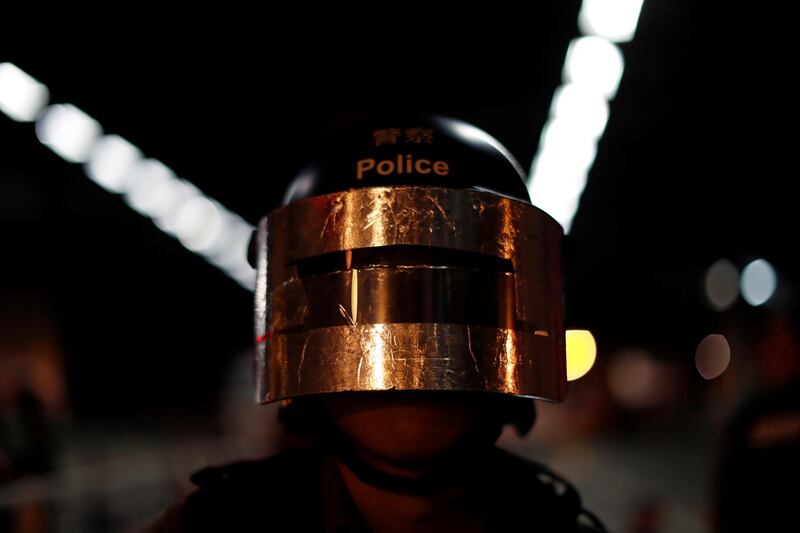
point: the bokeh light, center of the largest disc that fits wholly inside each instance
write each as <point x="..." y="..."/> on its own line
<point x="713" y="356"/>
<point x="579" y="111"/>
<point x="758" y="282"/>
<point x="584" y="110"/>
<point x="596" y="64"/>
<point x="198" y="222"/>
<point x="637" y="380"/>
<point x="581" y="353"/>
<point x="111" y="161"/>
<point x="22" y="98"/>
<point x="68" y="131"/>
<point x="147" y="187"/>
<point x="616" y="20"/>
<point x="722" y="285"/>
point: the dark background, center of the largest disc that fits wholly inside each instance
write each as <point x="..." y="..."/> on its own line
<point x="696" y="164"/>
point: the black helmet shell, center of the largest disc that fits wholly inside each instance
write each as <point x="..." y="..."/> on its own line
<point x="423" y="150"/>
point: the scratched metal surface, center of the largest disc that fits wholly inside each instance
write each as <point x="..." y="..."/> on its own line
<point x="298" y="358"/>
<point x="381" y="216"/>
<point x="364" y="357"/>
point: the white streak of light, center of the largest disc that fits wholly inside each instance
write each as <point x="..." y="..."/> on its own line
<point x="595" y="63"/>
<point x="111" y="161"/>
<point x="616" y="20"/>
<point x="21" y="97"/>
<point x="68" y="131"/>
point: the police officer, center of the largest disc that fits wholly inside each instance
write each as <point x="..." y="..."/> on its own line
<point x="408" y="306"/>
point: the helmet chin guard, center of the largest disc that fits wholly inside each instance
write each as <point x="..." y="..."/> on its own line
<point x="409" y="288"/>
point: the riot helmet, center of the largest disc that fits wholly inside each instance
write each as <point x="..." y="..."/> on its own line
<point x="408" y="257"/>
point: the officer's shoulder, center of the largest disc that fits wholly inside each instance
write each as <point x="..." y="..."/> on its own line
<point x="545" y="489"/>
<point x="292" y="466"/>
<point x="239" y="495"/>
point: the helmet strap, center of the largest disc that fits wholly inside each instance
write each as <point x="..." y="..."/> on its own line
<point x="456" y="468"/>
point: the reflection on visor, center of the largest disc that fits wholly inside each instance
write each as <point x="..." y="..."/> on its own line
<point x="408" y="284"/>
<point x="410" y="288"/>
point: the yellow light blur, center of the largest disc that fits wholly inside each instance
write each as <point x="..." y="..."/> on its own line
<point x="581" y="353"/>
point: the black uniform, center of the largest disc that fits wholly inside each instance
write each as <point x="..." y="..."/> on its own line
<point x="301" y="490"/>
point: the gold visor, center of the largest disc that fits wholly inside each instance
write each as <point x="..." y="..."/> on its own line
<point x="409" y="288"/>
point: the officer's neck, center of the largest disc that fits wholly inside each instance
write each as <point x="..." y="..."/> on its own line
<point x="388" y="511"/>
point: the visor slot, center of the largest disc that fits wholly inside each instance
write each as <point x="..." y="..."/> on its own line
<point x="400" y="255"/>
